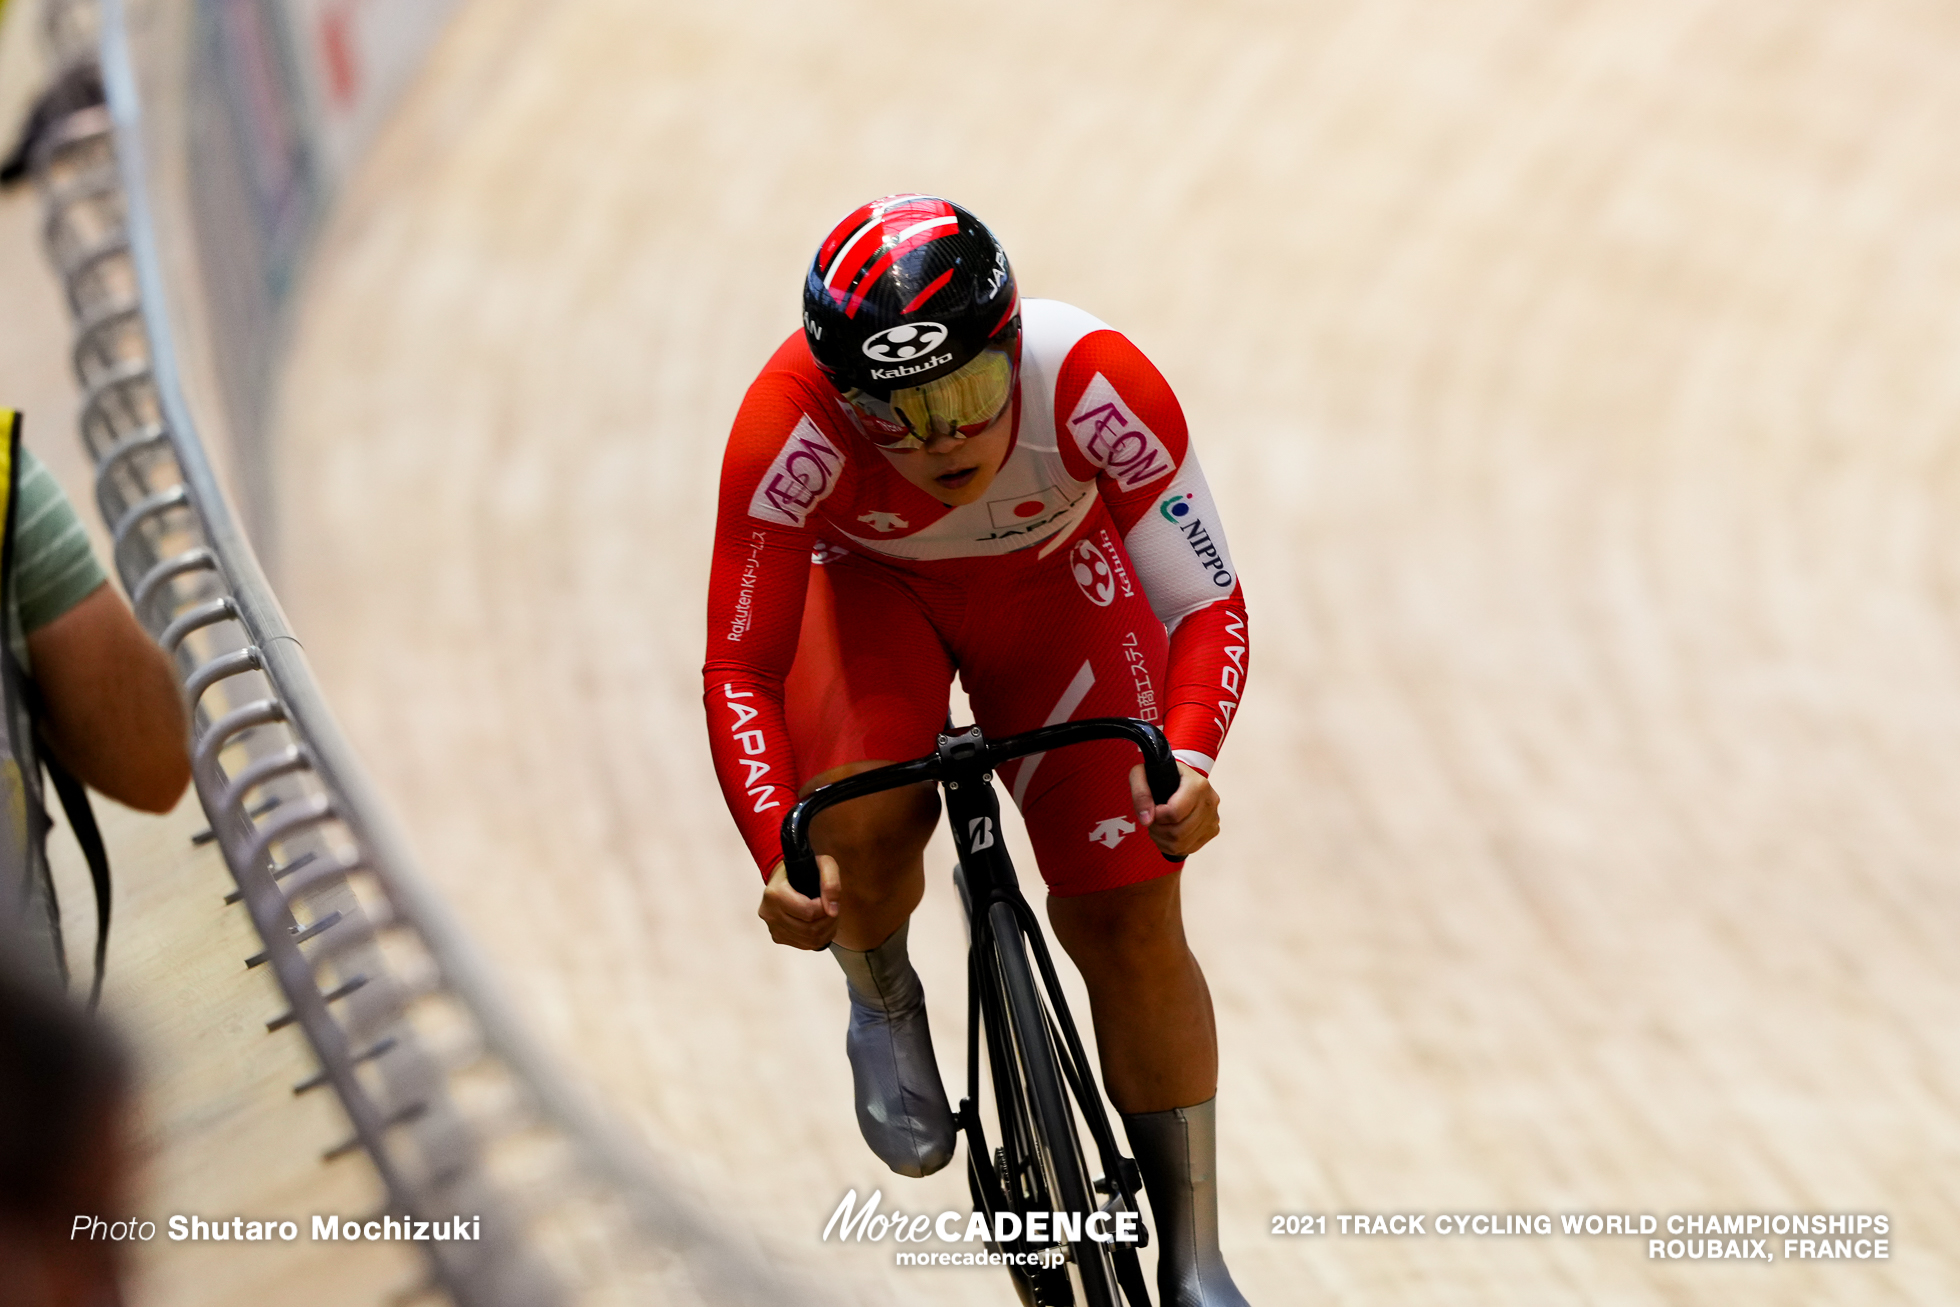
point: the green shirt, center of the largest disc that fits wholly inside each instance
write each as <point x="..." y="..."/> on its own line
<point x="54" y="566"/>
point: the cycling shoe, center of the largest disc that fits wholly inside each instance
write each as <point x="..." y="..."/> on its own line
<point x="901" y="1103"/>
<point x="1177" y="1151"/>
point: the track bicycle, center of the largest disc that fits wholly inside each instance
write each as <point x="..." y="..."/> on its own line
<point x="1044" y="1091"/>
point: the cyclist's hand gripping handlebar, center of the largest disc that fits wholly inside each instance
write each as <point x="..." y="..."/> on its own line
<point x="1163" y="779"/>
<point x="802" y="870"/>
<point x="798" y="858"/>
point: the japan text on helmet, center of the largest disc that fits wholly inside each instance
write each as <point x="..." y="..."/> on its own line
<point x="905" y="292"/>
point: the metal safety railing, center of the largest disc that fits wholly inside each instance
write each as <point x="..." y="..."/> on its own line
<point x="447" y="1097"/>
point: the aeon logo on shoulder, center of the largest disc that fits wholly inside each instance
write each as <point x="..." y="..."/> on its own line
<point x="1092" y="573"/>
<point x="805" y="470"/>
<point x="905" y="342"/>
<point x="1115" y="439"/>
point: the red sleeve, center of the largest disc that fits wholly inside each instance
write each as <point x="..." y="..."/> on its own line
<point x="1209" y="657"/>
<point x="1117" y="419"/>
<point x="778" y="467"/>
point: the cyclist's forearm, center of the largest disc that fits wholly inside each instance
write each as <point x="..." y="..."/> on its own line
<point x="755" y="612"/>
<point x="749" y="742"/>
<point x="1210" y="654"/>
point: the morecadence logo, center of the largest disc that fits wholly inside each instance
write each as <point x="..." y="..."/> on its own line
<point x="857" y="1222"/>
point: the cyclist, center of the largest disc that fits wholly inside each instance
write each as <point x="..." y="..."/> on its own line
<point x="935" y="476"/>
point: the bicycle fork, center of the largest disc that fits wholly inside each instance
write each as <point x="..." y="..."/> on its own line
<point x="989" y="885"/>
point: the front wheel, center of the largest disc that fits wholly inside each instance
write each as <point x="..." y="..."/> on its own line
<point x="1054" y="1144"/>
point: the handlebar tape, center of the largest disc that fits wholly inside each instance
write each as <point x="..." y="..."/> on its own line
<point x="803" y="876"/>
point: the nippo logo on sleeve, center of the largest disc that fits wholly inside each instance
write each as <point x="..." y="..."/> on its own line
<point x="804" y="472"/>
<point x="1115" y="439"/>
<point x="1181" y="511"/>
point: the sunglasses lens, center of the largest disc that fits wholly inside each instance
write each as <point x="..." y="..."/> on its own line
<point x="881" y="424"/>
<point x="964" y="404"/>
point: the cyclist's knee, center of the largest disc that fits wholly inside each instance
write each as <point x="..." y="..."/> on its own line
<point x="1128" y="929"/>
<point x="880" y="838"/>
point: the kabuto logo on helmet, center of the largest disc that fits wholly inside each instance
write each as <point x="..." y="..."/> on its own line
<point x="910" y="369"/>
<point x="905" y="342"/>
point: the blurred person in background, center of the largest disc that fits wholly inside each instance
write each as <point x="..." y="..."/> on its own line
<point x="66" y="1146"/>
<point x="70" y="88"/>
<point x="75" y="88"/>
<point x="88" y="694"/>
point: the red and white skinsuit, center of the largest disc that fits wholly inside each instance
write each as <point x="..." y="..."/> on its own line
<point x="1091" y="580"/>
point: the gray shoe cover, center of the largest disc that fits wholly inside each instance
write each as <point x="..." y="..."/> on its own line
<point x="1177" y="1151"/>
<point x="901" y="1104"/>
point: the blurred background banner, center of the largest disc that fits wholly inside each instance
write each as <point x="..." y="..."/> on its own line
<point x="282" y="98"/>
<point x="353" y="58"/>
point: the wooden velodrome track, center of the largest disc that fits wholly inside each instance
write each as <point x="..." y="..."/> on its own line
<point x="1581" y="386"/>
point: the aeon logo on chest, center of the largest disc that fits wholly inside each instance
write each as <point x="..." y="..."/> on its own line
<point x="1092" y="573"/>
<point x="804" y="472"/>
<point x="905" y="342"/>
<point x="1115" y="439"/>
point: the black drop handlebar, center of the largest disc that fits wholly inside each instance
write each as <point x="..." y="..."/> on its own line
<point x="966" y="754"/>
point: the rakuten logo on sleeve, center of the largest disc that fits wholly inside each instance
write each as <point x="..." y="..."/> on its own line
<point x="1115" y="439"/>
<point x="804" y="472"/>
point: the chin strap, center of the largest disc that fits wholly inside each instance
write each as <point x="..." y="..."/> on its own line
<point x="1177" y="1151"/>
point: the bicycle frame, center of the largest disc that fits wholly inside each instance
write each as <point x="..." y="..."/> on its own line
<point x="963" y="765"/>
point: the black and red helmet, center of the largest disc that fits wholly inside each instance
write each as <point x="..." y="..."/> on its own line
<point x="906" y="291"/>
